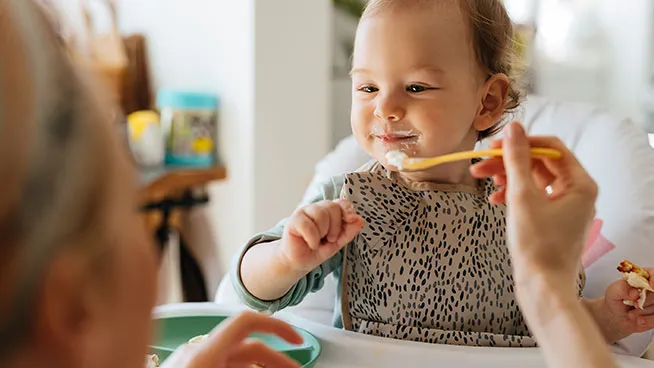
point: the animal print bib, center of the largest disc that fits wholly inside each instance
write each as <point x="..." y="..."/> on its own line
<point x="431" y="264"/>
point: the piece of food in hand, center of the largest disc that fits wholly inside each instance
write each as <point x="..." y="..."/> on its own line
<point x="198" y="339"/>
<point x="637" y="278"/>
<point x="626" y="267"/>
<point x="151" y="361"/>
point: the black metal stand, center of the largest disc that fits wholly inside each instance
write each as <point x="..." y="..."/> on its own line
<point x="193" y="282"/>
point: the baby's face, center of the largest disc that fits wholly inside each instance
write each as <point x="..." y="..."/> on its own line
<point x="416" y="84"/>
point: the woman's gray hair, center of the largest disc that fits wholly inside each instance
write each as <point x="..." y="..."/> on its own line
<point x="60" y="185"/>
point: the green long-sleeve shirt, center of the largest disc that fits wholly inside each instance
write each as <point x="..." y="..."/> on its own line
<point x="312" y="282"/>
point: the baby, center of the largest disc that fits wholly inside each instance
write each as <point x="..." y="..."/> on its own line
<point x="421" y="255"/>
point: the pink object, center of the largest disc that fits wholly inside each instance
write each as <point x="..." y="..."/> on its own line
<point x="597" y="246"/>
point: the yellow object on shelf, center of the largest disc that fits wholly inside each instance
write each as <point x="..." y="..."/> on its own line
<point x="146" y="138"/>
<point x="138" y="122"/>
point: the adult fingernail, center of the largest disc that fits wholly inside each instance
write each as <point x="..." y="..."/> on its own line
<point x="508" y="131"/>
<point x="515" y="130"/>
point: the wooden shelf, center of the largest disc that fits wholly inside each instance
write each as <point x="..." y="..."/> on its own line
<point x="158" y="183"/>
<point x="167" y="183"/>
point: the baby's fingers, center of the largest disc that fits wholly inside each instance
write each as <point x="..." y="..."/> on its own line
<point x="350" y="225"/>
<point x="618" y="292"/>
<point x="642" y="321"/>
<point x="651" y="279"/>
<point x="302" y="226"/>
<point x="353" y="223"/>
<point x="350" y="230"/>
<point x="347" y="210"/>
<point x="647" y="311"/>
<point x="332" y="219"/>
<point x="648" y="307"/>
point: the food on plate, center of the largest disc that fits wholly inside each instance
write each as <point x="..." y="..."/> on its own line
<point x="151" y="361"/>
<point x="637" y="278"/>
<point x="198" y="339"/>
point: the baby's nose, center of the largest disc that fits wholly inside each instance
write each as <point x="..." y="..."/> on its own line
<point x="390" y="110"/>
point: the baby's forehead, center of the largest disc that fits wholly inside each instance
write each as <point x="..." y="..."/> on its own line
<point x="439" y="32"/>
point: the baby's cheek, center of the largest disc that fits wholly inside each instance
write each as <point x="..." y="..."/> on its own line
<point x="361" y="122"/>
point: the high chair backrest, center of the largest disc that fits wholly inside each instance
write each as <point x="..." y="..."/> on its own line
<point x="619" y="157"/>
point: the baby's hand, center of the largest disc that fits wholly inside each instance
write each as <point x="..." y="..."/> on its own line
<point x="628" y="319"/>
<point x="314" y="233"/>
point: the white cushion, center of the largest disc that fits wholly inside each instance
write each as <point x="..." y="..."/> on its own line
<point x="618" y="156"/>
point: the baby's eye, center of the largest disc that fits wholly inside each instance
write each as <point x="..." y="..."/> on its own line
<point x="368" y="89"/>
<point x="416" y="88"/>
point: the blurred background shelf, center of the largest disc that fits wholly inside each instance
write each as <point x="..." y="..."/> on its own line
<point x="169" y="179"/>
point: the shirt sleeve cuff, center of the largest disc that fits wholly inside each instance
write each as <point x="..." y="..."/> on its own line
<point x="245" y="295"/>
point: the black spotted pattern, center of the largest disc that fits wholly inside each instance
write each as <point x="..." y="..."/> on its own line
<point x="430" y="265"/>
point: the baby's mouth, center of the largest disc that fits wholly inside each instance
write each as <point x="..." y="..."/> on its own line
<point x="396" y="137"/>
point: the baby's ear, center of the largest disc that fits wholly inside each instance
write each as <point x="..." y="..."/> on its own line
<point x="494" y="94"/>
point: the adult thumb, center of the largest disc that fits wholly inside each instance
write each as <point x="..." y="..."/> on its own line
<point x="517" y="159"/>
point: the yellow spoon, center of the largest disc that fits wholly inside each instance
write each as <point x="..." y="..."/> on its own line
<point x="404" y="162"/>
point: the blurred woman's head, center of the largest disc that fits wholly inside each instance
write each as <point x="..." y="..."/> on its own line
<point x="76" y="267"/>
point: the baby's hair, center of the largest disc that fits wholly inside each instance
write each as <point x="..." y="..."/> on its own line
<point x="492" y="37"/>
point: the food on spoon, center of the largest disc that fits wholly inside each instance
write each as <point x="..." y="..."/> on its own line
<point x="637" y="278"/>
<point x="396" y="158"/>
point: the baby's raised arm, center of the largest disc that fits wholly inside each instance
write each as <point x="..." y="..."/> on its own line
<point x="312" y="235"/>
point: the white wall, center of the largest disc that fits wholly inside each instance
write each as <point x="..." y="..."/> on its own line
<point x="344" y="28"/>
<point x="270" y="62"/>
<point x="292" y="99"/>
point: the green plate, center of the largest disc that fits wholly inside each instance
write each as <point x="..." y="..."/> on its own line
<point x="172" y="332"/>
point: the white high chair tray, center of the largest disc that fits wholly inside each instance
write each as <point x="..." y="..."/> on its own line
<point x="345" y="349"/>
